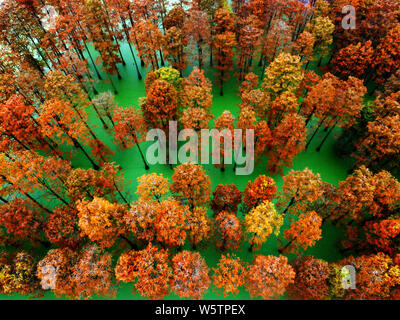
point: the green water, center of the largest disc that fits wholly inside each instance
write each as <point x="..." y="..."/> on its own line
<point x="331" y="168"/>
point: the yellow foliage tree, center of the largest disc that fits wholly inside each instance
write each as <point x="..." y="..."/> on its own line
<point x="283" y="74"/>
<point x="261" y="222"/>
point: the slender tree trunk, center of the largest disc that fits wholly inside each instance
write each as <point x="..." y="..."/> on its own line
<point x="113" y="86"/>
<point x="309" y="117"/>
<point x="161" y="58"/>
<point x="146" y="166"/>
<point x="326" y="137"/>
<point x="119" y="192"/>
<point x="251" y="248"/>
<point x="221" y="88"/>
<point x="78" y="145"/>
<point x="283" y="249"/>
<point x="289" y="205"/>
<point x="54" y="193"/>
<point x="36" y="202"/>
<point x="93" y="63"/>
<point x="124" y="26"/>
<point x="315" y="132"/>
<point x="105" y="126"/>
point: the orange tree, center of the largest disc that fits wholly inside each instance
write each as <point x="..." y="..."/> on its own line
<point x="230" y="274"/>
<point x="312" y="279"/>
<point x="140" y="219"/>
<point x="353" y="60"/>
<point x="191" y="184"/>
<point x="377" y="276"/>
<point x="198" y="29"/>
<point x="152" y="186"/>
<point x="61" y="227"/>
<point x="102" y="35"/>
<point x="288" y="139"/>
<point x="380" y="146"/>
<point x="229" y="230"/>
<point x="60" y="122"/>
<point x="21" y="218"/>
<point x="100" y="220"/>
<point x="304" y="233"/>
<point x="387" y="55"/>
<point x="269" y="276"/>
<point x="148" y="269"/>
<point x="77" y="274"/>
<point x="263" y="188"/>
<point x="223" y="42"/>
<point x="129" y="129"/>
<point x="225" y="126"/>
<point x="169" y="223"/>
<point x="197" y="90"/>
<point x="299" y="190"/>
<point x="198" y="226"/>
<point x="190" y="275"/>
<point x="20" y="129"/>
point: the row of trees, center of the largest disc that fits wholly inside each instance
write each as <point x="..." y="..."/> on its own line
<point x="374" y="138"/>
<point x="54" y="35"/>
<point x="90" y="222"/>
<point x="253" y="30"/>
<point x="60" y="117"/>
<point x="155" y="275"/>
<point x="85" y="218"/>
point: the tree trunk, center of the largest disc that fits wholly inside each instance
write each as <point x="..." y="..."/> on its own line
<point x="315" y="132"/>
<point x="326" y="137"/>
<point x="93" y="63"/>
<point x="289" y="205"/>
<point x="283" y="249"/>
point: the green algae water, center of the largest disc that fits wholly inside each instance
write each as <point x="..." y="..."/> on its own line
<point x="331" y="168"/>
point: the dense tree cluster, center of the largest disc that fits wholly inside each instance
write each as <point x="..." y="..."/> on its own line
<point x="81" y="231"/>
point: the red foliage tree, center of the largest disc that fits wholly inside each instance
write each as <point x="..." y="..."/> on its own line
<point x="303" y="233"/>
<point x="229" y="230"/>
<point x="192" y="184"/>
<point x="269" y="276"/>
<point x="148" y="269"/>
<point x="230" y="274"/>
<point x="288" y="139"/>
<point x="377" y="275"/>
<point x="77" y="275"/>
<point x="226" y="197"/>
<point x="223" y="42"/>
<point x="21" y="218"/>
<point x="311" y="281"/>
<point x="129" y="129"/>
<point x="353" y="60"/>
<point x="190" y="275"/>
<point x="261" y="189"/>
<point x="62" y="227"/>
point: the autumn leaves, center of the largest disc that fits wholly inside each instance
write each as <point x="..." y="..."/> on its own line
<point x="155" y="219"/>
